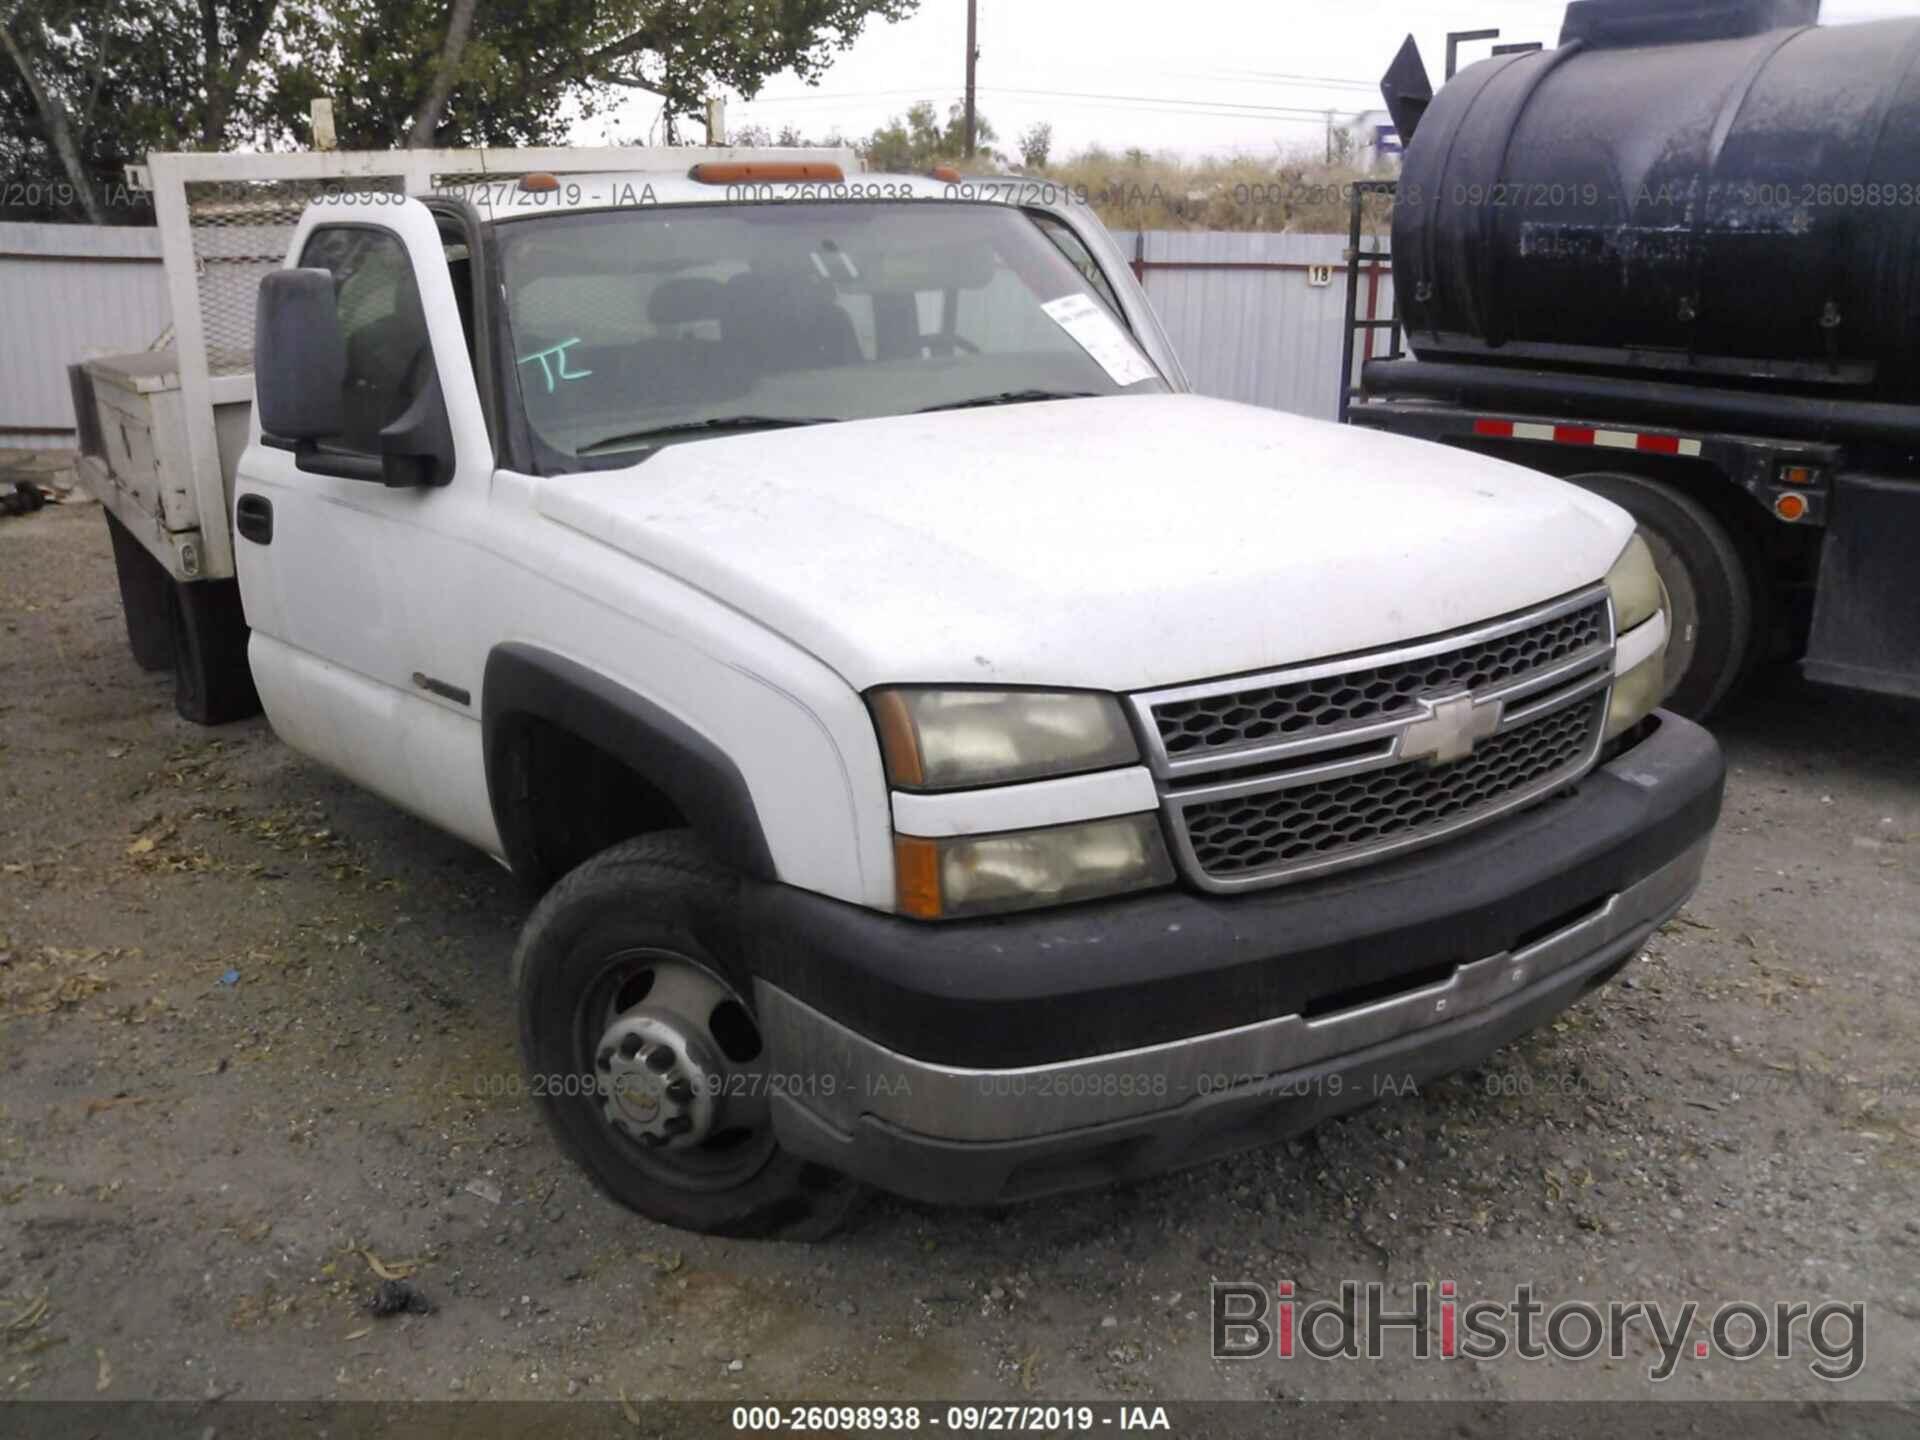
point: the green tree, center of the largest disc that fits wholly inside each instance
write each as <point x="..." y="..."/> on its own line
<point x="88" y="85"/>
<point x="1036" y="144"/>
<point x="406" y="74"/>
<point x="917" y="141"/>
<point x="790" y="137"/>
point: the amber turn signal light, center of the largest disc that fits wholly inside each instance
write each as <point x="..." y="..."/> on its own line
<point x="899" y="743"/>
<point x="753" y="172"/>
<point x="916" y="877"/>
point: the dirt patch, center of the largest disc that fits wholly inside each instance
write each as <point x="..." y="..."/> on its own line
<point x="257" y="1046"/>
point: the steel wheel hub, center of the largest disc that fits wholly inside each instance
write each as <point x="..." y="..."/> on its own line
<point x="659" y="1071"/>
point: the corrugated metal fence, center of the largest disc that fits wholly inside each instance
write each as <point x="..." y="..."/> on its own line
<point x="1253" y="317"/>
<point x="67" y="292"/>
<point x="1259" y="318"/>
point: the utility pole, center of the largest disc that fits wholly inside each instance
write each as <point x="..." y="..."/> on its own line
<point x="973" y="53"/>
<point x="1329" y="137"/>
<point x="323" y="133"/>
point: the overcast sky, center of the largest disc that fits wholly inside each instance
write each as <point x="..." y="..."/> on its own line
<point x="1208" y="76"/>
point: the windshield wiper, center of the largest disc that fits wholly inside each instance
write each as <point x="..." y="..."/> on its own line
<point x="1008" y="397"/>
<point x="719" y="425"/>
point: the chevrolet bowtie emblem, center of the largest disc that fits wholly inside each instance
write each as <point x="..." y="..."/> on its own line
<point x="1450" y="730"/>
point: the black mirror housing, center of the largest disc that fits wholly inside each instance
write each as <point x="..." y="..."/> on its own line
<point x="299" y="356"/>
<point x="417" y="448"/>
<point x="299" y="376"/>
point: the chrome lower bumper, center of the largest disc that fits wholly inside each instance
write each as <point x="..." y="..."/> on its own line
<point x="835" y="1080"/>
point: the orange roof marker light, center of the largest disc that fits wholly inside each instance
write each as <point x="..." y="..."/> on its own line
<point x="944" y="172"/>
<point x="754" y="172"/>
<point x="538" y="182"/>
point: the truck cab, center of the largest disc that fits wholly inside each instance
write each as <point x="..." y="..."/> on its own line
<point x="949" y="754"/>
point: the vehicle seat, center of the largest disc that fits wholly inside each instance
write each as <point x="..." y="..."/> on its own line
<point x="788" y="322"/>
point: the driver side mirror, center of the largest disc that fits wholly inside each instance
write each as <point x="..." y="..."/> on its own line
<point x="299" y="357"/>
<point x="299" y="378"/>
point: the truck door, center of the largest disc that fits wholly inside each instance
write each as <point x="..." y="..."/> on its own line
<point x="346" y="581"/>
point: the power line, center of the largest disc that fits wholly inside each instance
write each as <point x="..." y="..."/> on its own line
<point x="1246" y="109"/>
<point x="918" y="92"/>
<point x="1186" y="106"/>
<point x="1327" y="81"/>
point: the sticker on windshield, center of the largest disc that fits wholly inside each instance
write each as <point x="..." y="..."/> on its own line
<point x="1096" y="332"/>
<point x="556" y="356"/>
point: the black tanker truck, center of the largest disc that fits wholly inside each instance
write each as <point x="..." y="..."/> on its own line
<point x="1676" y="260"/>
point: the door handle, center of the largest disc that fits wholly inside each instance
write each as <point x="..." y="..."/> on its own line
<point x="253" y="518"/>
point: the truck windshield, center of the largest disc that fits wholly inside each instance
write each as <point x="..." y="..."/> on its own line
<point x="633" y="329"/>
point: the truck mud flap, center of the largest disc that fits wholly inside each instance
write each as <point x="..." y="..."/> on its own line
<point x="146" y="597"/>
<point x="1866" y="617"/>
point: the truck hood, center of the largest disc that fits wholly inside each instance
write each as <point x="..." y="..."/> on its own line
<point x="1113" y="544"/>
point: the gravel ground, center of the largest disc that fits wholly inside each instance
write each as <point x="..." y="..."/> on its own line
<point x="258" y="1046"/>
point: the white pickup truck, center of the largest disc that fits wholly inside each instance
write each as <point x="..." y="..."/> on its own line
<point x="951" y="755"/>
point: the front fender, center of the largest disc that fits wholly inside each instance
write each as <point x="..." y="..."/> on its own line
<point x="524" y="683"/>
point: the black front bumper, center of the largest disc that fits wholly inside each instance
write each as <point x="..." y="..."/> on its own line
<point x="1117" y="975"/>
<point x="1003" y="1060"/>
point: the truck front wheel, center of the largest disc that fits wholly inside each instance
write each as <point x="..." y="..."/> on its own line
<point x="642" y="1051"/>
<point x="1706" y="579"/>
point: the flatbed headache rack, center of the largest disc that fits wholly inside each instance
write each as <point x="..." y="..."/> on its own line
<point x="1376" y="261"/>
<point x="225" y="222"/>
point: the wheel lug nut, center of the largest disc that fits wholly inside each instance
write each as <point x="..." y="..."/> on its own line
<point x="679" y="1092"/>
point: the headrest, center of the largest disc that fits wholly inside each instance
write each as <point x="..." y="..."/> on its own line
<point x="683" y="300"/>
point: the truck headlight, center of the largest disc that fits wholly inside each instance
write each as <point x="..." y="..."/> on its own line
<point x="1641" y="617"/>
<point x="1638" y="693"/>
<point x="1024" y="869"/>
<point x="935" y="739"/>
<point x="1634" y="582"/>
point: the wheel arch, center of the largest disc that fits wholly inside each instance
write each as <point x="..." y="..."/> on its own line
<point x="526" y="689"/>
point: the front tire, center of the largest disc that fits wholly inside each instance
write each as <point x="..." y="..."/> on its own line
<point x="1707" y="580"/>
<point x="637" y="1031"/>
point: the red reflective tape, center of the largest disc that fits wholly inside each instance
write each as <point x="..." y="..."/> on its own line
<point x="1498" y="429"/>
<point x="1660" y="444"/>
<point x="1572" y="435"/>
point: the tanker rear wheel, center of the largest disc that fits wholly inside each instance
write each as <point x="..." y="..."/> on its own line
<point x="1707" y="581"/>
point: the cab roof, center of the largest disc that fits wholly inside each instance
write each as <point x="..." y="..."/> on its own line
<point x="503" y="198"/>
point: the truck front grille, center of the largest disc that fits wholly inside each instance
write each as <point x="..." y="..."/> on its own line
<point x="1380" y="692"/>
<point x="1263" y="832"/>
<point x="1271" y="778"/>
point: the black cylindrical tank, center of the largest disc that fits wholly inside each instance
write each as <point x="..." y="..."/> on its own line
<point x="1733" y="209"/>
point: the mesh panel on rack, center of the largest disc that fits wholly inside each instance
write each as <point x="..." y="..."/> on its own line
<point x="241" y="230"/>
